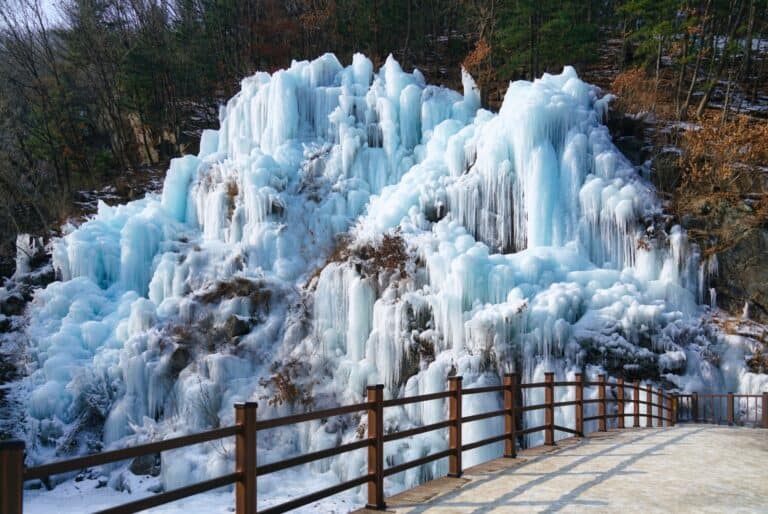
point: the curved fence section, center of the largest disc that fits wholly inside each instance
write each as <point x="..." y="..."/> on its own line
<point x="730" y="409"/>
<point x="611" y="405"/>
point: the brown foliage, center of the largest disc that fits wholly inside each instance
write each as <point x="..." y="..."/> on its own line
<point x="283" y="382"/>
<point x="232" y="192"/>
<point x="478" y="64"/>
<point x="478" y="56"/>
<point x="637" y="93"/>
<point x="758" y="361"/>
<point x="723" y="180"/>
<point x="725" y="156"/>
<point x="371" y="259"/>
<point x="390" y="254"/>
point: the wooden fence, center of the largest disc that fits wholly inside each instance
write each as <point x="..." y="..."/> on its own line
<point x="731" y="409"/>
<point x="659" y="406"/>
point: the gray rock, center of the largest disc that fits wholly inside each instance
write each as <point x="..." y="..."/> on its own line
<point x="145" y="465"/>
<point x="236" y="326"/>
<point x="743" y="275"/>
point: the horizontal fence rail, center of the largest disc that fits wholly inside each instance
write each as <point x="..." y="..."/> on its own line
<point x="621" y="406"/>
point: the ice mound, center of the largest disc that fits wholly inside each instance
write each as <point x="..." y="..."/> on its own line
<point x="344" y="228"/>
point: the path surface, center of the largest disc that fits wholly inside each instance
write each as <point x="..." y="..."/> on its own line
<point x="689" y="468"/>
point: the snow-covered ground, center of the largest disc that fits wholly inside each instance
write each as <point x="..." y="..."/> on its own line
<point x="344" y="228"/>
<point x="93" y="494"/>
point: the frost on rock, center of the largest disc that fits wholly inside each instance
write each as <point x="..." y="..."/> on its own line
<point x="344" y="228"/>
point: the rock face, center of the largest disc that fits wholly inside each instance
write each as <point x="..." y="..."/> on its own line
<point x="743" y="275"/>
<point x="727" y="227"/>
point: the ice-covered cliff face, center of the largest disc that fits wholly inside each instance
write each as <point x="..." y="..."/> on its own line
<point x="344" y="228"/>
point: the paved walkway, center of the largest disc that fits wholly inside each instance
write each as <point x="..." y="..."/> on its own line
<point x="688" y="468"/>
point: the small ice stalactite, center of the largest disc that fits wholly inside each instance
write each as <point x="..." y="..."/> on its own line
<point x="708" y="269"/>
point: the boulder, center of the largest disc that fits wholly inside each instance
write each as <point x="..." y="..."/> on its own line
<point x="145" y="465"/>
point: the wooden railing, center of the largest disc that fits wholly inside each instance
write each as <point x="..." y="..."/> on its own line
<point x="659" y="406"/>
<point x="733" y="409"/>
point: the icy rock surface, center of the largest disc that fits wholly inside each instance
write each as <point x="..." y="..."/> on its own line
<point x="344" y="228"/>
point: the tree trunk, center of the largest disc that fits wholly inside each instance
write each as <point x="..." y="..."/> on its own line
<point x="658" y="71"/>
<point x="683" y="112"/>
<point x="721" y="65"/>
<point x="681" y="77"/>
<point x="744" y="75"/>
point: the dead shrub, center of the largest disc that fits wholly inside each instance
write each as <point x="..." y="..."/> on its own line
<point x="638" y="93"/>
<point x="725" y="156"/>
<point x="284" y="382"/>
<point x="389" y="254"/>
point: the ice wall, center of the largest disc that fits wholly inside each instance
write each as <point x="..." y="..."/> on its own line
<point x="344" y="228"/>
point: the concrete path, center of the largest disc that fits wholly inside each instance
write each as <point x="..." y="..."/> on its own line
<point x="688" y="468"/>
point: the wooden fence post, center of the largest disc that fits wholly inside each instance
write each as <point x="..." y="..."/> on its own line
<point x="245" y="458"/>
<point x="601" y="402"/>
<point x="660" y="407"/>
<point x="454" y="430"/>
<point x="649" y="406"/>
<point x="636" y="401"/>
<point x="765" y="410"/>
<point x="579" y="404"/>
<point x="375" y="396"/>
<point x="509" y="417"/>
<point x="620" y="402"/>
<point x="695" y="407"/>
<point x="11" y="477"/>
<point x="376" y="449"/>
<point x="549" y="410"/>
<point x="674" y="410"/>
<point x="729" y="408"/>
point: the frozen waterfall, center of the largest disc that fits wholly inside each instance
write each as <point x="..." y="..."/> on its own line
<point x="346" y="227"/>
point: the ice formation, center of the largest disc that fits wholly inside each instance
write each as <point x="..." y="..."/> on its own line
<point x="344" y="228"/>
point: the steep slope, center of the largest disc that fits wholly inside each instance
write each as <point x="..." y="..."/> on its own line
<point x="344" y="228"/>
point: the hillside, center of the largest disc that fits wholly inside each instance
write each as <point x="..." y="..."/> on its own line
<point x="345" y="227"/>
<point x="196" y="214"/>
